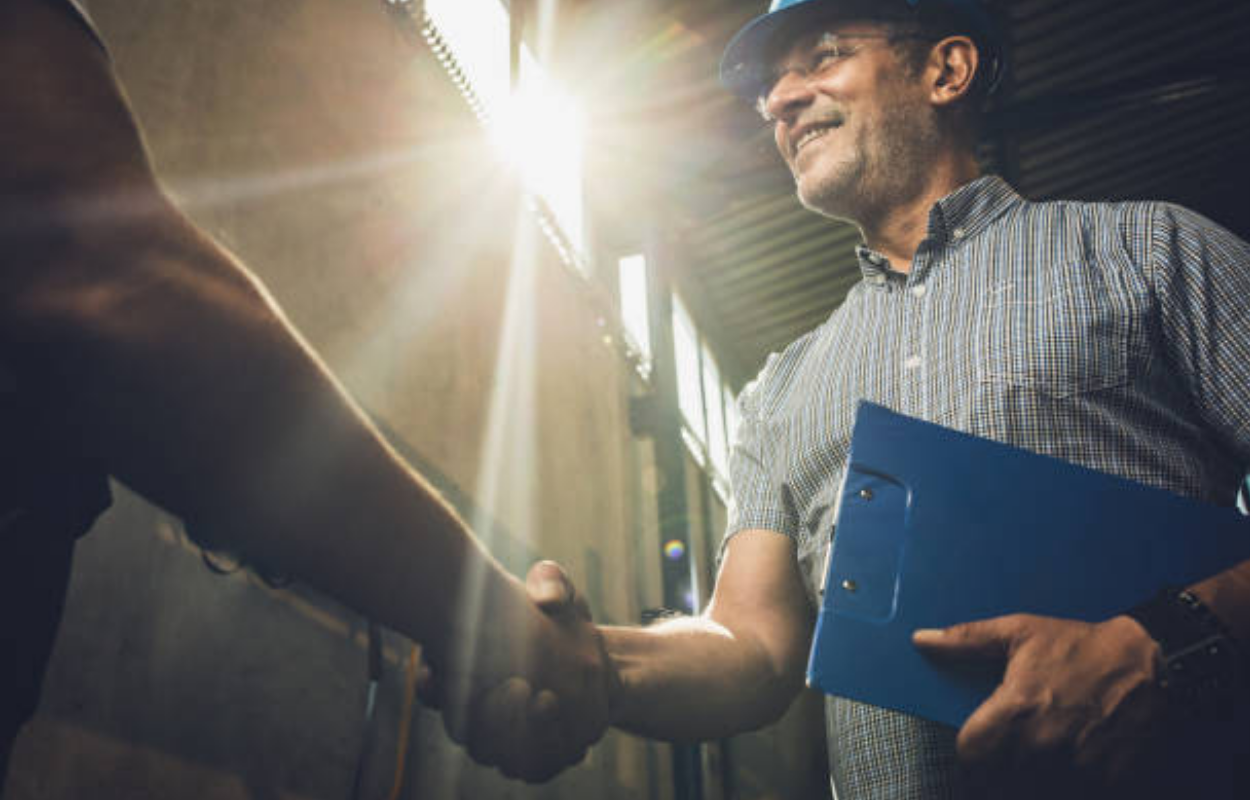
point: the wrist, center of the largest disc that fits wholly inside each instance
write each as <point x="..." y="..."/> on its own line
<point x="1203" y="669"/>
<point x="621" y="675"/>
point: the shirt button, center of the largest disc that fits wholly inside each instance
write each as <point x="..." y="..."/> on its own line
<point x="959" y="233"/>
<point x="918" y="291"/>
<point x="912" y="362"/>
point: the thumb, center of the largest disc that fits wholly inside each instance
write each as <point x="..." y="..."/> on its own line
<point x="550" y="588"/>
<point x="987" y="639"/>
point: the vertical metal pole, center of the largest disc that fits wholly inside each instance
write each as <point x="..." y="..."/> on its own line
<point x="670" y="455"/>
<point x="678" y="573"/>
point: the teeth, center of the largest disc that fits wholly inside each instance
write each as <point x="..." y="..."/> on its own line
<point x="814" y="133"/>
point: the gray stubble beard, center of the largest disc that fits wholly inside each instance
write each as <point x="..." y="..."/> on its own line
<point x="889" y="169"/>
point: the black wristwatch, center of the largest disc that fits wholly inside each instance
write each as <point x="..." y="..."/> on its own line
<point x="1204" y="668"/>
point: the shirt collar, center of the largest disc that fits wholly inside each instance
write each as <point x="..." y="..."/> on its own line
<point x="960" y="215"/>
<point x="970" y="209"/>
<point x="874" y="265"/>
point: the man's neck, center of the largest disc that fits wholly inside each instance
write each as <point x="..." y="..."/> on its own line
<point x="897" y="232"/>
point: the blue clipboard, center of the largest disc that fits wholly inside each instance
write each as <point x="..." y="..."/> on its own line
<point x="938" y="527"/>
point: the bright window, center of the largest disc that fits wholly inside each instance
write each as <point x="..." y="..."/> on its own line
<point x="478" y="33"/>
<point x="731" y="415"/>
<point x="632" y="275"/>
<point x="536" y="129"/>
<point x="707" y="405"/>
<point x="717" y="446"/>
<point x="545" y="139"/>
<point x="689" y="376"/>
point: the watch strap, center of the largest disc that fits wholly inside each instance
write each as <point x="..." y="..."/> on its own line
<point x="1203" y="666"/>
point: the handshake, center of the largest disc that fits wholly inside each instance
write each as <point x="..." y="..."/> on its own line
<point x="528" y="689"/>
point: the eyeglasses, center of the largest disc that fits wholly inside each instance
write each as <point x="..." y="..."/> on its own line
<point x="829" y="50"/>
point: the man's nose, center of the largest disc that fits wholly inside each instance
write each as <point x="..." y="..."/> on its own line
<point x="789" y="94"/>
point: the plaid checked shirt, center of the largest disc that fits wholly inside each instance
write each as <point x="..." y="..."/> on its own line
<point x="1116" y="336"/>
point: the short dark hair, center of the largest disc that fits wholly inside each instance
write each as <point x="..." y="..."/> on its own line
<point x="930" y="23"/>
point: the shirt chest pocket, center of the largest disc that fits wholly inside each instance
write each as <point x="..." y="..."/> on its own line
<point x="1059" y="334"/>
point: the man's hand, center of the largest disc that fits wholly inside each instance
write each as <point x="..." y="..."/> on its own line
<point x="578" y="701"/>
<point x="533" y="703"/>
<point x="1079" y="711"/>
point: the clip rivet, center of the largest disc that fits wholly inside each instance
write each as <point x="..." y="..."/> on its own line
<point x="865" y="494"/>
<point x="849" y="585"/>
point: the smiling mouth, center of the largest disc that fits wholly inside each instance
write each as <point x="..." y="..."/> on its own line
<point x="815" y="133"/>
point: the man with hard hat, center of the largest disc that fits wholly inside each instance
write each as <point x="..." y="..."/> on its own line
<point x="1116" y="336"/>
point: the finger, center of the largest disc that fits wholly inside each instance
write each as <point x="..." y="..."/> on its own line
<point x="985" y="742"/>
<point x="552" y="753"/>
<point x="556" y="746"/>
<point x="544" y="708"/>
<point x="497" y="717"/>
<point x="516" y="730"/>
<point x="537" y="747"/>
<point x="986" y="639"/>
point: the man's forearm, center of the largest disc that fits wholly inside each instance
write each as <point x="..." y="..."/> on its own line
<point x="171" y="365"/>
<point x="693" y="679"/>
<point x="148" y="349"/>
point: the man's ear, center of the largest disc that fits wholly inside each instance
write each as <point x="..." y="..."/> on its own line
<point x="953" y="64"/>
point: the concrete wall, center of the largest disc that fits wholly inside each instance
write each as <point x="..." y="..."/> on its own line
<point x="331" y="154"/>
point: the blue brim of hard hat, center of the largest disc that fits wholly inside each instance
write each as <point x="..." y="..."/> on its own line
<point x="744" y="69"/>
